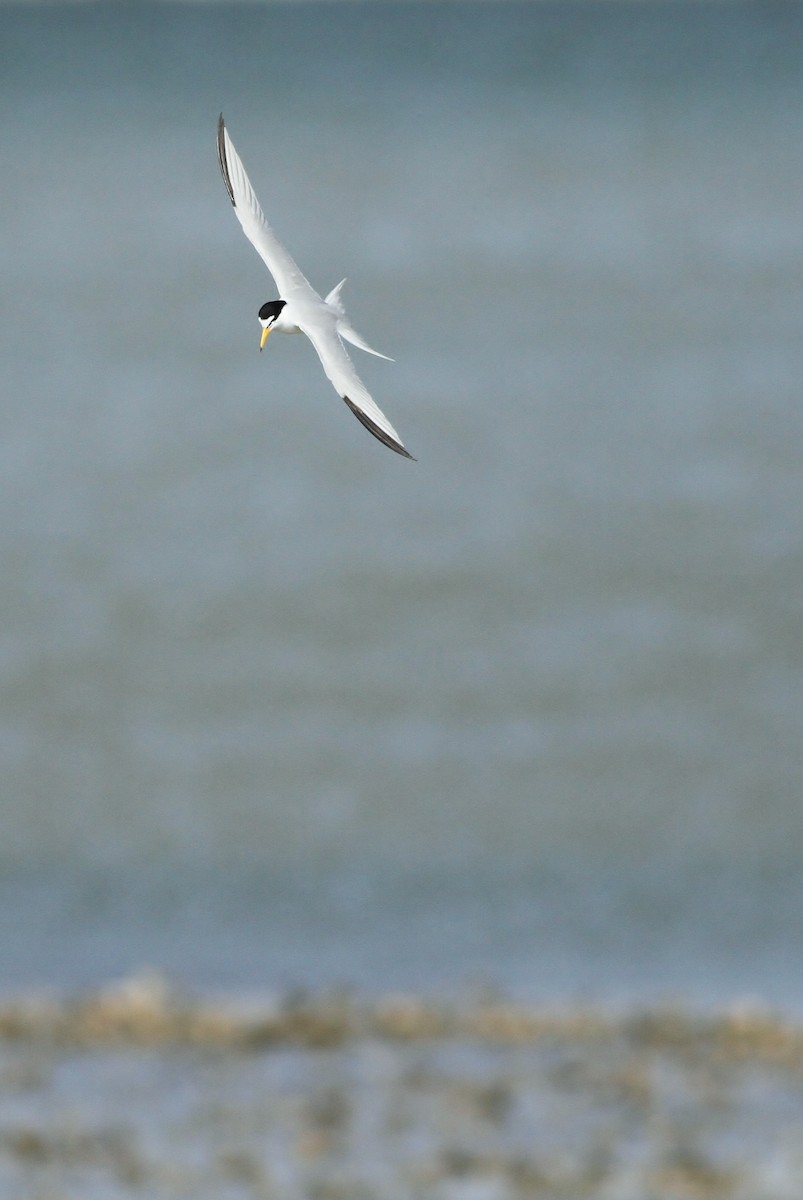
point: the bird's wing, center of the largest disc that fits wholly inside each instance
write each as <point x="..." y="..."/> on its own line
<point x="288" y="276"/>
<point x="339" y="369"/>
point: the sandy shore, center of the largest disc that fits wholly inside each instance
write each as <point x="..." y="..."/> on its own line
<point x="139" y="1090"/>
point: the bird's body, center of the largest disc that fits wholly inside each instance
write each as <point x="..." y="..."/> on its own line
<point x="300" y="309"/>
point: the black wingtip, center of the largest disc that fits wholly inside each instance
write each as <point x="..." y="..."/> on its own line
<point x="221" y="154"/>
<point x="378" y="433"/>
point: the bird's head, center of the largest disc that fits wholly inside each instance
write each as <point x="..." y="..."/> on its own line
<point x="267" y="315"/>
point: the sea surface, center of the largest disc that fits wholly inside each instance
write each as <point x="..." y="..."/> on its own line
<point x="282" y="710"/>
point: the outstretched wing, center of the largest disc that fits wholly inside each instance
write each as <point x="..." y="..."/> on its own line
<point x="288" y="276"/>
<point x="339" y="369"/>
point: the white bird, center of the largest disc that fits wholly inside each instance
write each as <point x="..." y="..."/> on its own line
<point x="300" y="309"/>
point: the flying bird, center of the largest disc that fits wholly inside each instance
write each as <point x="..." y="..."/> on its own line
<point x="299" y="308"/>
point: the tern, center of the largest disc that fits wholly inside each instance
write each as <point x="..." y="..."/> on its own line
<point x="299" y="308"/>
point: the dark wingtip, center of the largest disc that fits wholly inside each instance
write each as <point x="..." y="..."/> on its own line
<point x="378" y="433"/>
<point x="221" y="154"/>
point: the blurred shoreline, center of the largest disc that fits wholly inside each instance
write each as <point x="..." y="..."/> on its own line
<point x="145" y="1009"/>
<point x="139" y="1086"/>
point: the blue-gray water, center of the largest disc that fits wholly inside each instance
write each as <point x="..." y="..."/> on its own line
<point x="279" y="707"/>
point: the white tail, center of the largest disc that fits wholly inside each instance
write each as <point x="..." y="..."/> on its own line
<point x="334" y="301"/>
<point x="351" y="335"/>
<point x="344" y="328"/>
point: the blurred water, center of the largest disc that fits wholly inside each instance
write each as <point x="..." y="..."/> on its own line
<point x="280" y="706"/>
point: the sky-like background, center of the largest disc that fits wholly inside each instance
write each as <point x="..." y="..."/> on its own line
<point x="278" y="707"/>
